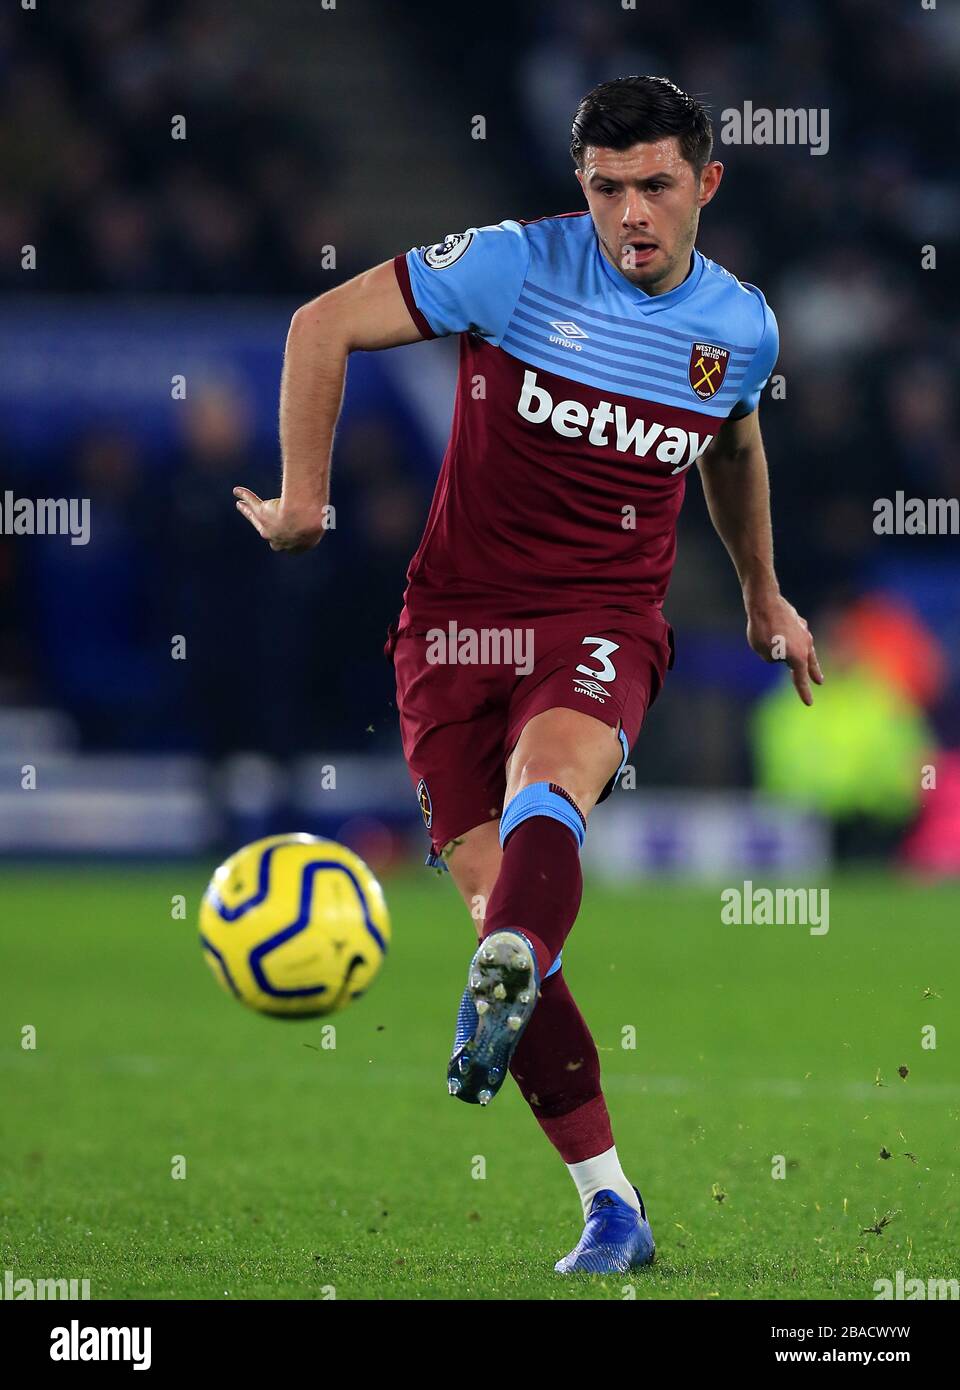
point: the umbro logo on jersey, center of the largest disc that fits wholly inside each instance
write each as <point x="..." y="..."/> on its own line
<point x="566" y="332"/>
<point x="571" y="418"/>
<point x="568" y="329"/>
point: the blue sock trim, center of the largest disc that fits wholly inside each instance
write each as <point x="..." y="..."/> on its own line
<point x="539" y="800"/>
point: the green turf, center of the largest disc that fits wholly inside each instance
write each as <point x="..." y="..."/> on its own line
<point x="308" y="1169"/>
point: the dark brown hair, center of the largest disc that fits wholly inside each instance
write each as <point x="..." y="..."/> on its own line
<point x="638" y="110"/>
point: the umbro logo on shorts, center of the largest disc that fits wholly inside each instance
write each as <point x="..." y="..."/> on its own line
<point x="594" y="689"/>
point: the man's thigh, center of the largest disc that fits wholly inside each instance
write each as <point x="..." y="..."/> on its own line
<point x="572" y="719"/>
<point x="579" y="711"/>
<point x="452" y="723"/>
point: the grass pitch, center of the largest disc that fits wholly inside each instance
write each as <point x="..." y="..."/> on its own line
<point x="310" y="1169"/>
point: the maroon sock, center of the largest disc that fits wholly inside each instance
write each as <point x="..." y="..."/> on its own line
<point x="557" y="1069"/>
<point x="539" y="886"/>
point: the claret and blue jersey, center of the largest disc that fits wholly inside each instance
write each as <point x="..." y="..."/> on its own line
<point x="582" y="402"/>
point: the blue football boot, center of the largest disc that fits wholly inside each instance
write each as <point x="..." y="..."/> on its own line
<point x="615" y="1239"/>
<point x="503" y="985"/>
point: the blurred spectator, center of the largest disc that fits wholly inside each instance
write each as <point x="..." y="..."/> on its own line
<point x="857" y="754"/>
<point x="86" y="142"/>
<point x="99" y="642"/>
<point x="242" y="609"/>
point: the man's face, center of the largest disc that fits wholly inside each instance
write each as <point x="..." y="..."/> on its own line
<point x="645" y="203"/>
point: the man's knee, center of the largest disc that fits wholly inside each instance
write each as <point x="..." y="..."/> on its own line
<point x="542" y="766"/>
<point x="582" y="784"/>
<point x="577" y="752"/>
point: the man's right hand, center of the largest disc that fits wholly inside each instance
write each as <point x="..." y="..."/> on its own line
<point x="284" y="527"/>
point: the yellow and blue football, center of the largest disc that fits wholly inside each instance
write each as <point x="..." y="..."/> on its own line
<point x="294" y="926"/>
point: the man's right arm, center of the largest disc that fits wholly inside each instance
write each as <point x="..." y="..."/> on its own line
<point x="367" y="313"/>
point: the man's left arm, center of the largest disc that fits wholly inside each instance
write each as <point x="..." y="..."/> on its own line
<point x="737" y="489"/>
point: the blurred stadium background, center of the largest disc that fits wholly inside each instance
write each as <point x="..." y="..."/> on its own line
<point x="321" y="141"/>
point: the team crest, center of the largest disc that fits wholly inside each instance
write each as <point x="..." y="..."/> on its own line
<point x="708" y="367"/>
<point x="426" y="805"/>
<point x="447" y="251"/>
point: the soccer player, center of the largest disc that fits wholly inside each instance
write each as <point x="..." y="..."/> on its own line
<point x="601" y="356"/>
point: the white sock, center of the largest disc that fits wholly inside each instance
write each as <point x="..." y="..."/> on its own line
<point x="603" y="1171"/>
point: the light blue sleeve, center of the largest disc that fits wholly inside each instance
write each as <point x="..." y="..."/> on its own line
<point x="764" y="359"/>
<point x="471" y="280"/>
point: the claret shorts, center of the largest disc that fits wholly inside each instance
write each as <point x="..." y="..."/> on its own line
<point x="464" y="695"/>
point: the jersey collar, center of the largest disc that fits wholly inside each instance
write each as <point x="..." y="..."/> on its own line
<point x="653" y="303"/>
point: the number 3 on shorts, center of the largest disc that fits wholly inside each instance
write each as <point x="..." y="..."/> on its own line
<point x="607" y="672"/>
